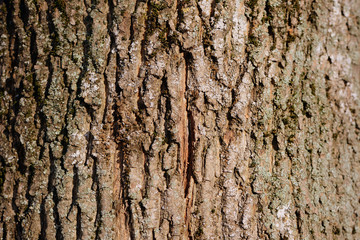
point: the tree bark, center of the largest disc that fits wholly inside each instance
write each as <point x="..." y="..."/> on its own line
<point x="179" y="119"/>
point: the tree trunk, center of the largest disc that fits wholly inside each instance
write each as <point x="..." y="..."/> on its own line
<point x="179" y="119"/>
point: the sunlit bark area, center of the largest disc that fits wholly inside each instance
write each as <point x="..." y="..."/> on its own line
<point x="179" y="119"/>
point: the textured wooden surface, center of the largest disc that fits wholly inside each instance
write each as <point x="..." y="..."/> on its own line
<point x="221" y="119"/>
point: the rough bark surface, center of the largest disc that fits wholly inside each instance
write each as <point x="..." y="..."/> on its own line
<point x="179" y="119"/>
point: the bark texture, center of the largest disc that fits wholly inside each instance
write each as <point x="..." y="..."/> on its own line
<point x="179" y="119"/>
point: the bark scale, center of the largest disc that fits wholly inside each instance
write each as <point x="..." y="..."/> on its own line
<point x="179" y="119"/>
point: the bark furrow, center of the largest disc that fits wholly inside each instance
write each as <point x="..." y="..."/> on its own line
<point x="186" y="119"/>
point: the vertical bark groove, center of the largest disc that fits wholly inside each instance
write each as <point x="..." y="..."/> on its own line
<point x="179" y="119"/>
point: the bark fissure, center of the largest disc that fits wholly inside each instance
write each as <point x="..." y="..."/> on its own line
<point x="179" y="119"/>
<point x="19" y="234"/>
<point x="96" y="188"/>
<point x="4" y="231"/>
<point x="188" y="166"/>
<point x="79" y="233"/>
<point x="52" y="191"/>
<point x="43" y="220"/>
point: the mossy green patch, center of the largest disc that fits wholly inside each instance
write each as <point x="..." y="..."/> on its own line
<point x="251" y="4"/>
<point x="61" y="5"/>
<point x="253" y="40"/>
<point x="199" y="232"/>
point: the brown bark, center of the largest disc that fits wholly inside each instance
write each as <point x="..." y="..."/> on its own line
<point x="179" y="119"/>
